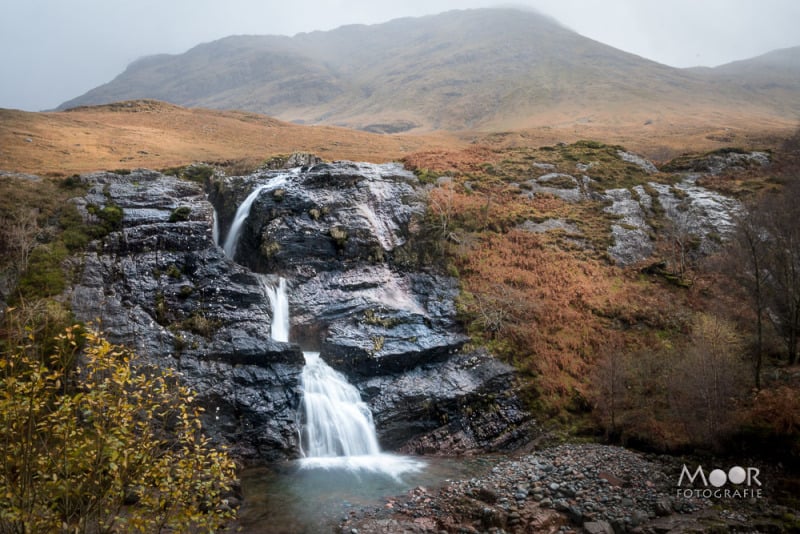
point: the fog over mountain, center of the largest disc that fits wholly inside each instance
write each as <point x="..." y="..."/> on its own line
<point x="485" y="68"/>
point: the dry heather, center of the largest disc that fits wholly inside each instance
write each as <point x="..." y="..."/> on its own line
<point x="157" y="135"/>
<point x="151" y="134"/>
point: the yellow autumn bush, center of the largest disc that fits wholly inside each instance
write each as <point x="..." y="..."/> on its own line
<point x="93" y="443"/>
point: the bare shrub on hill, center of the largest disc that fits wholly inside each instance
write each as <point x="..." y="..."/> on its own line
<point x="669" y="395"/>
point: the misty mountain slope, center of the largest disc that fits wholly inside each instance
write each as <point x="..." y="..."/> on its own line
<point x="483" y="68"/>
<point x="772" y="78"/>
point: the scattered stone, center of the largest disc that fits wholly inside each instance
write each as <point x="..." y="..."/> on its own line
<point x="487" y="495"/>
<point x="644" y="164"/>
<point x="639" y="500"/>
<point x="663" y="507"/>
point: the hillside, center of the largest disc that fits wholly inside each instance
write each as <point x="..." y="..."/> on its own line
<point x="488" y="69"/>
<point x="154" y="134"/>
<point x="772" y="78"/>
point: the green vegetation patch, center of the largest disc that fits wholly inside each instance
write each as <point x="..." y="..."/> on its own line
<point x="601" y="162"/>
<point x="197" y="172"/>
<point x="180" y="214"/>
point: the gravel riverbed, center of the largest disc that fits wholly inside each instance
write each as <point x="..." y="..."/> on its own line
<point x="571" y="488"/>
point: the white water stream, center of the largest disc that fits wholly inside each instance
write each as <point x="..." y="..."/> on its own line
<point x="338" y="430"/>
<point x="279" y="301"/>
<point x="232" y="239"/>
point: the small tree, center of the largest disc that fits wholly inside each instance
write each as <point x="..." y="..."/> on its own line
<point x="708" y="380"/>
<point x="781" y="215"/>
<point x="609" y="384"/>
<point x="91" y="443"/>
<point x="745" y="262"/>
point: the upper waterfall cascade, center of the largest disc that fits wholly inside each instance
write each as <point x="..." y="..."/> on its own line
<point x="232" y="239"/>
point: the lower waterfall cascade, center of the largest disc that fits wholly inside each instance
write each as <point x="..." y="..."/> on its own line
<point x="337" y="430"/>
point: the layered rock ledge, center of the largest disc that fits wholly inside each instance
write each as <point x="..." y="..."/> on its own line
<point x="160" y="284"/>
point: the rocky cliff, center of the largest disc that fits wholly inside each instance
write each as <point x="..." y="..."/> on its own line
<point x="161" y="285"/>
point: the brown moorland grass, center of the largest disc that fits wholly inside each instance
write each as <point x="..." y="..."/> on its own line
<point x="157" y="135"/>
<point x="152" y="134"/>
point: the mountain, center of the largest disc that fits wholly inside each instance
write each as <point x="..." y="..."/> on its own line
<point x="772" y="78"/>
<point x="472" y="69"/>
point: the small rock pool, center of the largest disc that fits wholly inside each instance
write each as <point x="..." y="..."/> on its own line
<point x="287" y="498"/>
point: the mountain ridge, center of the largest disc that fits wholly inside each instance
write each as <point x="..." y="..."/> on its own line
<point x="484" y="69"/>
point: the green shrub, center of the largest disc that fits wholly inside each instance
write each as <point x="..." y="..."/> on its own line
<point x="44" y="277"/>
<point x="197" y="173"/>
<point x="180" y="214"/>
<point x="427" y="176"/>
<point x="200" y="324"/>
<point x="109" y="216"/>
<point x="339" y="236"/>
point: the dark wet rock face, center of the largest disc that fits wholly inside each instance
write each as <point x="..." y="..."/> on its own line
<point x="333" y="230"/>
<point x="163" y="287"/>
<point x="321" y="217"/>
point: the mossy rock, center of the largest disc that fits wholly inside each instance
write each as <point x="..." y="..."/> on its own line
<point x="339" y="236"/>
<point x="180" y="214"/>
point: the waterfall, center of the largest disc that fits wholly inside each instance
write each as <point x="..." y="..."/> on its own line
<point x="232" y="240"/>
<point x="215" y="228"/>
<point x="338" y="422"/>
<point x="279" y="301"/>
<point x="338" y="430"/>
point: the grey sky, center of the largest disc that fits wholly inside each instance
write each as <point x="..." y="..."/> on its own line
<point x="54" y="50"/>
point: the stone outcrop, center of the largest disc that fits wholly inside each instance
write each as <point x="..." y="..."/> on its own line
<point x="664" y="206"/>
<point x="691" y="213"/>
<point x="718" y="162"/>
<point x="161" y="285"/>
<point x="333" y="230"/>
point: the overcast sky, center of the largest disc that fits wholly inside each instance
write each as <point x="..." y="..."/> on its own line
<point x="54" y="50"/>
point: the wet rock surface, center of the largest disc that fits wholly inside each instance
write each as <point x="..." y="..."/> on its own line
<point x="474" y="407"/>
<point x="568" y="488"/>
<point x="160" y="285"/>
<point x="632" y="234"/>
<point x="333" y="230"/>
<point x="691" y="212"/>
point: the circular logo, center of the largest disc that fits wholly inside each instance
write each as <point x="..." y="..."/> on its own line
<point x="737" y="475"/>
<point x="717" y="477"/>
